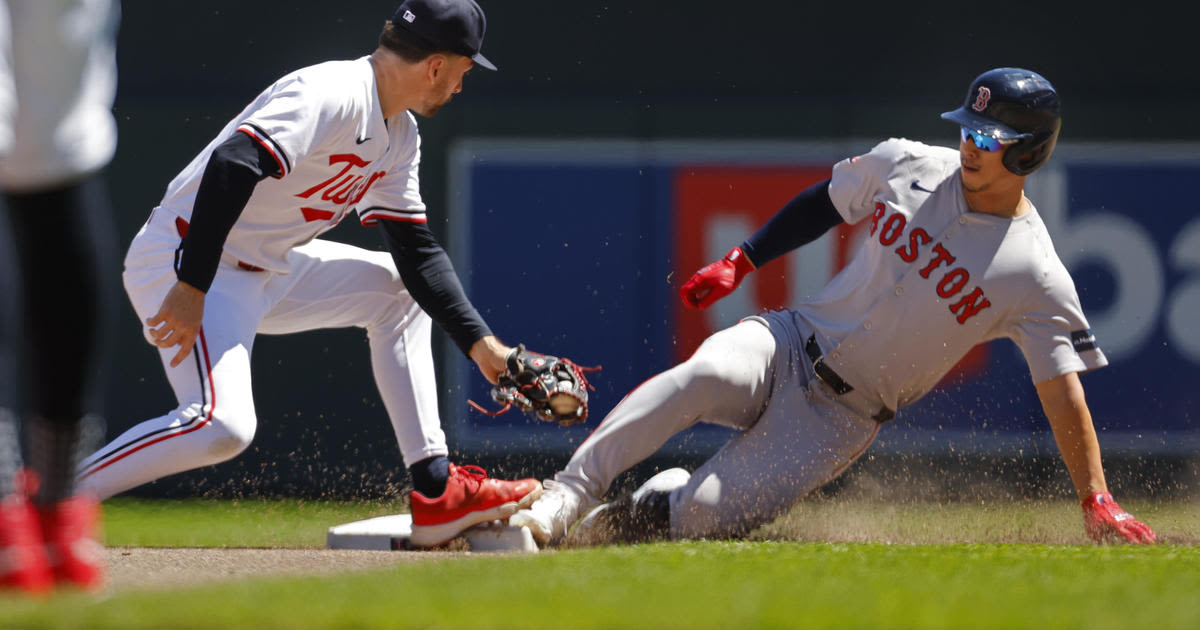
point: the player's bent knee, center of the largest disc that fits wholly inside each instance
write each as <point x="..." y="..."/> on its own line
<point x="705" y="372"/>
<point x="707" y="511"/>
<point x="229" y="434"/>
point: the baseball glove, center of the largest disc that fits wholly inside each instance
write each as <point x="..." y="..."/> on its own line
<point x="541" y="385"/>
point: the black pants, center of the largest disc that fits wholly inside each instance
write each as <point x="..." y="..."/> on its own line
<point x="57" y="296"/>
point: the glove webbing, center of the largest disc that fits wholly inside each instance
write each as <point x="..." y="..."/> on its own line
<point x="575" y="368"/>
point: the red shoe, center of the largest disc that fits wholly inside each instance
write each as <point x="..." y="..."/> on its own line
<point x="471" y="497"/>
<point x="23" y="563"/>
<point x="69" y="528"/>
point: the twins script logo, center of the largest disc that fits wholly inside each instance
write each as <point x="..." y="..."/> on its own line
<point x="344" y="188"/>
<point x="952" y="282"/>
<point x="981" y="99"/>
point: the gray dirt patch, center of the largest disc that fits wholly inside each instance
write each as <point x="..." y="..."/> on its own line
<point x="151" y="568"/>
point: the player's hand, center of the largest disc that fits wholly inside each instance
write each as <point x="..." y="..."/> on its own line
<point x="1106" y="522"/>
<point x="716" y="280"/>
<point x="489" y="354"/>
<point x="177" y="322"/>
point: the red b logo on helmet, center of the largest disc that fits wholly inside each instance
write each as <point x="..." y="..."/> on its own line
<point x="981" y="99"/>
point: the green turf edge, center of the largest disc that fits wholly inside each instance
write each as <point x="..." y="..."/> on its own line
<point x="290" y="523"/>
<point x="692" y="585"/>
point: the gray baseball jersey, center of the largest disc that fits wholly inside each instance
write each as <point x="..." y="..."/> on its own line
<point x="932" y="280"/>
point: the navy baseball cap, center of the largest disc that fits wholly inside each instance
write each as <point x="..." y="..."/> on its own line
<point x="453" y="25"/>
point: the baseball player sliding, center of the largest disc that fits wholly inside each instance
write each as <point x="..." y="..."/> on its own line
<point x="232" y="251"/>
<point x="954" y="255"/>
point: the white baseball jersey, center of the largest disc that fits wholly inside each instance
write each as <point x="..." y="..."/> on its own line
<point x="335" y="153"/>
<point x="58" y="77"/>
<point x="306" y="120"/>
<point x="933" y="279"/>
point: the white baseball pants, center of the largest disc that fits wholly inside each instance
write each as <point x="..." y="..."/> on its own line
<point x="796" y="435"/>
<point x="330" y="285"/>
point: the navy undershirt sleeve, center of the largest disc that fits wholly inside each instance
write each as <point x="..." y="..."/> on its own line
<point x="803" y="220"/>
<point x="430" y="278"/>
<point x="234" y="169"/>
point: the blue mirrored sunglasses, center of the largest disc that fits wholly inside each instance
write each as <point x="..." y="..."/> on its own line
<point x="985" y="143"/>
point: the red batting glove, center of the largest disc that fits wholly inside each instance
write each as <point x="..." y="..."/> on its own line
<point x="1106" y="522"/>
<point x="716" y="280"/>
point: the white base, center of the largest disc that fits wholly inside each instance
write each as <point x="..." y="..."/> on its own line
<point x="394" y="533"/>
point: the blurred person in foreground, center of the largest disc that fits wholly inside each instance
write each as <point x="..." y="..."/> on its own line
<point x="57" y="133"/>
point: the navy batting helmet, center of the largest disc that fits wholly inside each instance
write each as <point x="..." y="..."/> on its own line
<point x="1013" y="104"/>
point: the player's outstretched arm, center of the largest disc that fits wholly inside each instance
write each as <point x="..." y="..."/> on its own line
<point x="804" y="219"/>
<point x="430" y="278"/>
<point x="1065" y="406"/>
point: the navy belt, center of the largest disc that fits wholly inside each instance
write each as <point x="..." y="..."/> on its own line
<point x="835" y="382"/>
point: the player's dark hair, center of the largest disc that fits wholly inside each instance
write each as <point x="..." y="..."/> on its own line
<point x="406" y="45"/>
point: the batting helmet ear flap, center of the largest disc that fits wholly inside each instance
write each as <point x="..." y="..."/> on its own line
<point x="1029" y="154"/>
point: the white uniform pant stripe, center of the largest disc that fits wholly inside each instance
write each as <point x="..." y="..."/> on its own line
<point x="329" y="285"/>
<point x="143" y="436"/>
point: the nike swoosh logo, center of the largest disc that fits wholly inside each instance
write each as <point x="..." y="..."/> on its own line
<point x="917" y="186"/>
<point x="360" y="140"/>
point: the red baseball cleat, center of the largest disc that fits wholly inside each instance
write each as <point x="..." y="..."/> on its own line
<point x="470" y="498"/>
<point x="69" y="528"/>
<point x="23" y="563"/>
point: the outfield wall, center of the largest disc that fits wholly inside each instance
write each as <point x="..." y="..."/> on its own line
<point x="578" y="247"/>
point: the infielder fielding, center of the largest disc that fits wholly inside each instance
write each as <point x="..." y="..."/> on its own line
<point x="232" y="251"/>
<point x="954" y="255"/>
<point x="58" y="77"/>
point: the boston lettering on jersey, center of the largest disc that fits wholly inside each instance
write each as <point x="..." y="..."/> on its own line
<point x="344" y="188"/>
<point x="951" y="283"/>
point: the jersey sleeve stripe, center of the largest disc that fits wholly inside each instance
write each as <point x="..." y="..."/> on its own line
<point x="372" y="215"/>
<point x="265" y="140"/>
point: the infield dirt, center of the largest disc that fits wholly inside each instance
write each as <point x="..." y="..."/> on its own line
<point x="150" y="568"/>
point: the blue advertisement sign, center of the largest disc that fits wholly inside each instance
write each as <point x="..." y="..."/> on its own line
<point x="578" y="248"/>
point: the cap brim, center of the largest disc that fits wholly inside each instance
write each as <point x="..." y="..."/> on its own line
<point x="480" y="60"/>
<point x="983" y="124"/>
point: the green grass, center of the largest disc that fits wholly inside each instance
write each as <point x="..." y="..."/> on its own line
<point x="690" y="585"/>
<point x="755" y="584"/>
<point x="245" y="523"/>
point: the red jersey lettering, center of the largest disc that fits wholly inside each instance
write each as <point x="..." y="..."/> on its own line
<point x="971" y="304"/>
<point x="350" y="160"/>
<point x="315" y="214"/>
<point x="942" y="257"/>
<point x="909" y="253"/>
<point x="880" y="210"/>
<point x="952" y="282"/>
<point x="892" y="229"/>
